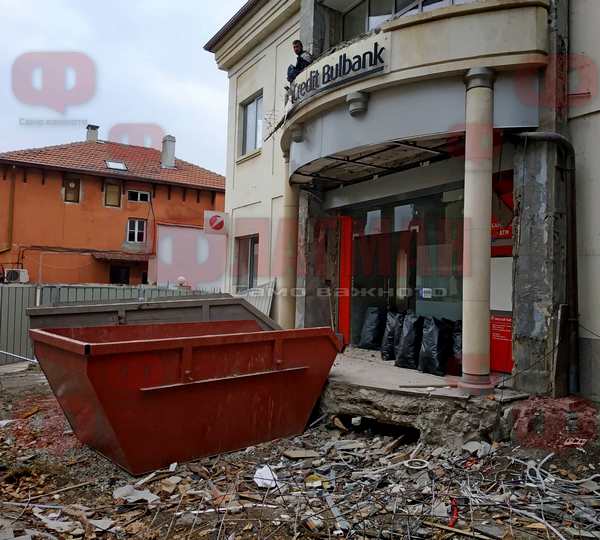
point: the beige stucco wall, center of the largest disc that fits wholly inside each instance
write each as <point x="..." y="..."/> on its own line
<point x="585" y="133"/>
<point x="255" y="182"/>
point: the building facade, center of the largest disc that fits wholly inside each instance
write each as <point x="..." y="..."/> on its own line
<point x="94" y="211"/>
<point x="436" y="156"/>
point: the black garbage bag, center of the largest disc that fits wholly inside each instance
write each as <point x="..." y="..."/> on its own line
<point x="408" y="341"/>
<point x="372" y="328"/>
<point x="436" y="346"/>
<point x="455" y="362"/>
<point x="387" y="344"/>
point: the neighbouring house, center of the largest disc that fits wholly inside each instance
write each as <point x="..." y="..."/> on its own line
<point x="102" y="212"/>
<point x="392" y="172"/>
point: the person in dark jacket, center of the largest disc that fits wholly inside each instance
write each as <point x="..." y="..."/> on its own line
<point x="304" y="59"/>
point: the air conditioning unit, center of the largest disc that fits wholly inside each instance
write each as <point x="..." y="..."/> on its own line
<point x="16" y="275"/>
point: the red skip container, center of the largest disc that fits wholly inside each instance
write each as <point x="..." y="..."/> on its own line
<point x="146" y="396"/>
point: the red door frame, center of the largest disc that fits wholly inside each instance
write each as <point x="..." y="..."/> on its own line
<point x="345" y="296"/>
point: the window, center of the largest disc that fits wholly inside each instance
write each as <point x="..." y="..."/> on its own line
<point x="429" y="5"/>
<point x="72" y="189"/>
<point x="379" y="12"/>
<point x="138" y="196"/>
<point x="371" y="14"/>
<point x="119" y="275"/>
<point x="112" y="195"/>
<point x="247" y="263"/>
<point x="252" y="137"/>
<point x="355" y="21"/>
<point x="116" y="165"/>
<point x="136" y="231"/>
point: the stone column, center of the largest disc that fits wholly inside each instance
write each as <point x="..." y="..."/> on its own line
<point x="477" y="230"/>
<point x="286" y="283"/>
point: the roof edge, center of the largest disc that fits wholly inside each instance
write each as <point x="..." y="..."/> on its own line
<point x="245" y="10"/>
<point x="110" y="174"/>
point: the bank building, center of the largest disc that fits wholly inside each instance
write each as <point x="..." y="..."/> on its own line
<point x="438" y="158"/>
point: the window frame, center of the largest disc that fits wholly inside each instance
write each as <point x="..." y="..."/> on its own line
<point x="251" y="270"/>
<point x="416" y="6"/>
<point x="66" y="189"/>
<point x="120" y="190"/>
<point x="258" y="123"/>
<point x="114" y="165"/>
<point x="139" y="193"/>
<point x="137" y="230"/>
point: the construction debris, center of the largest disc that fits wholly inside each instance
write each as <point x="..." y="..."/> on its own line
<point x="327" y="483"/>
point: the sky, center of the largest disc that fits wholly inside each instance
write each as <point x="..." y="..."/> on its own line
<point x="136" y="68"/>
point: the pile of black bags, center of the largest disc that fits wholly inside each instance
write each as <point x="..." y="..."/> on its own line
<point x="428" y="344"/>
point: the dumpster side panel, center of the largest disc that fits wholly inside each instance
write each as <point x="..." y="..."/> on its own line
<point x="67" y="375"/>
<point x="205" y="400"/>
<point x="145" y="404"/>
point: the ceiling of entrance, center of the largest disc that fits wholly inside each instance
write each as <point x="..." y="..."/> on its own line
<point x="368" y="162"/>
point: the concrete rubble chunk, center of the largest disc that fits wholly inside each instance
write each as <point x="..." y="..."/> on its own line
<point x="130" y="494"/>
<point x="300" y="453"/>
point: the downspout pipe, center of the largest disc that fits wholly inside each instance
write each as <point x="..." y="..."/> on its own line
<point x="572" y="277"/>
<point x="11" y="213"/>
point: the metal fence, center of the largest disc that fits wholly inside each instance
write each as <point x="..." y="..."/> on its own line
<point x="15" y="299"/>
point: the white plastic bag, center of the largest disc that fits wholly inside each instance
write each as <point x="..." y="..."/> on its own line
<point x="264" y="477"/>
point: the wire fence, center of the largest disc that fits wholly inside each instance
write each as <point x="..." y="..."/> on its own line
<point x="15" y="299"/>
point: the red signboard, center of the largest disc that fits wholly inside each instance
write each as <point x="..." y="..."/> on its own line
<point x="501" y="358"/>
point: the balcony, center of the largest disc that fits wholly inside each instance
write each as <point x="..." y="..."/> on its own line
<point x="409" y="74"/>
<point x="423" y="40"/>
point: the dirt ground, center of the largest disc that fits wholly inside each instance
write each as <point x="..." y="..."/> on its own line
<point x="336" y="480"/>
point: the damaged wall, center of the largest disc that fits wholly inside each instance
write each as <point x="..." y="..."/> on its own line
<point x="318" y="247"/>
<point x="541" y="224"/>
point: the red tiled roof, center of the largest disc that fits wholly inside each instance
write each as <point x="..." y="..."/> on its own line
<point x="142" y="163"/>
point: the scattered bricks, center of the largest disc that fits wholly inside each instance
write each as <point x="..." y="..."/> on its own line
<point x="552" y="423"/>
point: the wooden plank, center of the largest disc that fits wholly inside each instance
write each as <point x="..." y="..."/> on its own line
<point x="3" y="312"/>
<point x="31" y="301"/>
<point x="12" y="301"/>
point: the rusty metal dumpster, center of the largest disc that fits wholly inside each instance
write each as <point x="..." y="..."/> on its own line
<point x="145" y="396"/>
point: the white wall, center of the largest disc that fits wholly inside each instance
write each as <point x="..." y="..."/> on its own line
<point x="585" y="134"/>
<point x="190" y="253"/>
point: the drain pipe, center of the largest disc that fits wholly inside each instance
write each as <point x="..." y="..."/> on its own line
<point x="11" y="213"/>
<point x="572" y="278"/>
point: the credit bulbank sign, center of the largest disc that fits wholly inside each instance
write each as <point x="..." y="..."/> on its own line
<point x="340" y="68"/>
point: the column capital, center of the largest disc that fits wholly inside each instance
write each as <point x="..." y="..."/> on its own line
<point x="480" y="78"/>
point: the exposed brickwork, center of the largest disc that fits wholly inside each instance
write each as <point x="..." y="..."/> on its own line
<point x="552" y="423"/>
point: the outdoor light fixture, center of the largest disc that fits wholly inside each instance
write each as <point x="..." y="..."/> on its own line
<point x="358" y="103"/>
<point x="297" y="133"/>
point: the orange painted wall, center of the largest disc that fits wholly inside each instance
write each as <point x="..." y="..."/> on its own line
<point x="42" y="218"/>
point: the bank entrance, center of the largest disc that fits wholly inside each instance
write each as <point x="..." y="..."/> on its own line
<point x="405" y="255"/>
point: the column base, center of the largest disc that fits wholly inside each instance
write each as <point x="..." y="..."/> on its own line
<point x="476" y="385"/>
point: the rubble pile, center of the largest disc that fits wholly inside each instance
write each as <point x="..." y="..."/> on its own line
<point x="340" y="479"/>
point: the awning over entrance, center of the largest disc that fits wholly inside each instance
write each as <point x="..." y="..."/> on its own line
<point x="368" y="162"/>
<point x="121" y="256"/>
